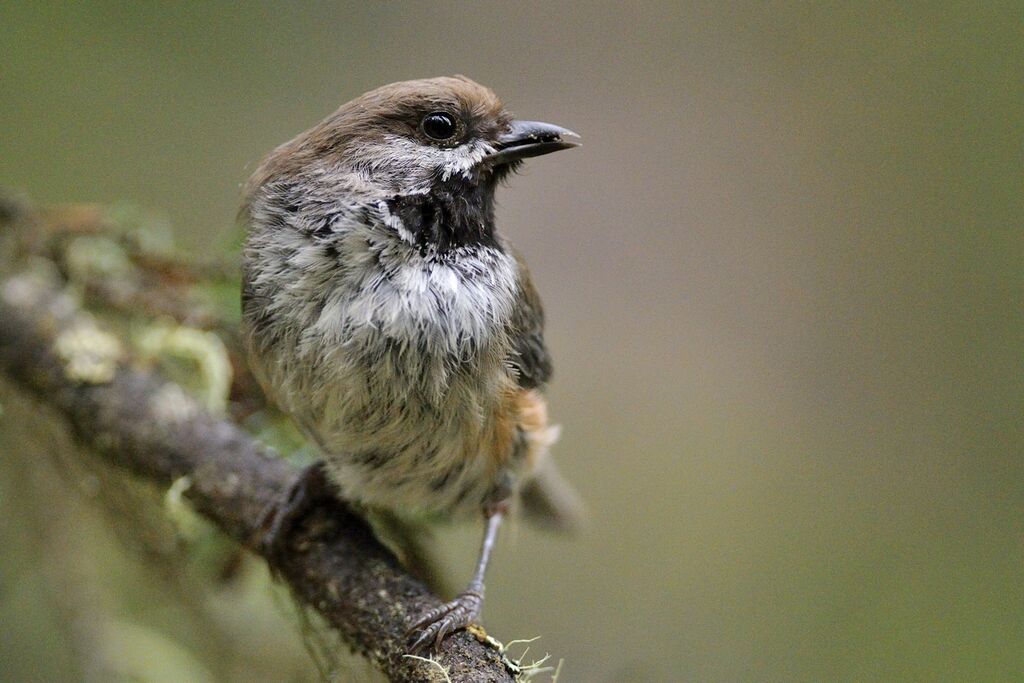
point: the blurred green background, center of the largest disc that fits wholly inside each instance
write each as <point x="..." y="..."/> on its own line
<point x="784" y="282"/>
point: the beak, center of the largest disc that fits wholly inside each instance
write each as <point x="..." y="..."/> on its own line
<point x="525" y="139"/>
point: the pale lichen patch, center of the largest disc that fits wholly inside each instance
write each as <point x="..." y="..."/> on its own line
<point x="90" y="257"/>
<point x="522" y="671"/>
<point x="436" y="666"/>
<point x="28" y="288"/>
<point x="201" y="350"/>
<point x="188" y="524"/>
<point x="90" y="356"/>
<point x="171" y="404"/>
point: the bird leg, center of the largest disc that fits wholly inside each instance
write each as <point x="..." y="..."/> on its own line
<point x="310" y="487"/>
<point x="445" y="619"/>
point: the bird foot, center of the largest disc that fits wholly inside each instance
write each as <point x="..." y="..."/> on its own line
<point x="310" y="487"/>
<point x="437" y="624"/>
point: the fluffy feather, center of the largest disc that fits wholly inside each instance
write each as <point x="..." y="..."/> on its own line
<point x="384" y="313"/>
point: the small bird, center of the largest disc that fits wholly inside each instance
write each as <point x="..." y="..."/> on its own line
<point x="384" y="312"/>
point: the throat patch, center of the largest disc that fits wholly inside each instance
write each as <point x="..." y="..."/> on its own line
<point x="456" y="212"/>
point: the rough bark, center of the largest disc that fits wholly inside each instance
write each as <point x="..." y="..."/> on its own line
<point x="151" y="428"/>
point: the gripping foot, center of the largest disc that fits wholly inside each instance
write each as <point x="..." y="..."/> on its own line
<point x="440" y="622"/>
<point x="310" y="487"/>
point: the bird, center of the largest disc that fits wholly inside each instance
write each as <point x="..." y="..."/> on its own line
<point x="399" y="329"/>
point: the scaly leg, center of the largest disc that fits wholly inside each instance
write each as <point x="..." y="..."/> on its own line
<point x="439" y="622"/>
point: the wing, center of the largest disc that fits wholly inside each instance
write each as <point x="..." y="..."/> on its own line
<point x="547" y="498"/>
<point x="530" y="358"/>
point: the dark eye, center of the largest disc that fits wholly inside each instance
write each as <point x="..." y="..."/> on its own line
<point x="439" y="126"/>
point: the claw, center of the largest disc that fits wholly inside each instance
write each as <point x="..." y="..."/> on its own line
<point x="442" y="621"/>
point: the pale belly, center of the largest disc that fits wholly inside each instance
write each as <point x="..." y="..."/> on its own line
<point x="399" y="371"/>
<point x="398" y="444"/>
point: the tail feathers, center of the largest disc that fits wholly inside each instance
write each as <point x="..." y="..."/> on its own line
<point x="550" y="502"/>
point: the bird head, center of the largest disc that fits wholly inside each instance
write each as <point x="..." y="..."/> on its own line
<point x="444" y="141"/>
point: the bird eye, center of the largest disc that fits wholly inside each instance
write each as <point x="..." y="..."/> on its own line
<point x="439" y="126"/>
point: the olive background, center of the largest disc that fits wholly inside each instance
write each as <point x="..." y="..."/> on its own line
<point x="783" y="278"/>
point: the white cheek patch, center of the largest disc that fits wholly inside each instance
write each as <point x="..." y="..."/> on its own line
<point x="421" y="162"/>
<point x="463" y="158"/>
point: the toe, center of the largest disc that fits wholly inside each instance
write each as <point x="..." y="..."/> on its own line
<point x="423" y="638"/>
<point x="429" y="618"/>
<point x="440" y="622"/>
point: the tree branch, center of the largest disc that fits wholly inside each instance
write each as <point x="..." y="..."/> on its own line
<point x="151" y="428"/>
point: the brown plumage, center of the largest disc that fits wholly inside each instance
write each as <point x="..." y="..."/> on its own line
<point x="388" y="317"/>
<point x="393" y="109"/>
